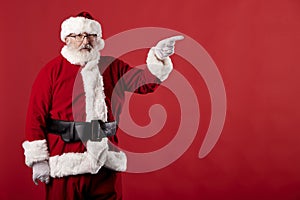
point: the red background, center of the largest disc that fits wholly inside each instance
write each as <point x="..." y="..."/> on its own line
<point x="255" y="45"/>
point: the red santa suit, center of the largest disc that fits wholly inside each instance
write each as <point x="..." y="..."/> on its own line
<point x="64" y="90"/>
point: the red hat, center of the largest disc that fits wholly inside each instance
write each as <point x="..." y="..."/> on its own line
<point x="83" y="22"/>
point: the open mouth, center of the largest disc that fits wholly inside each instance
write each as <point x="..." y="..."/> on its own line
<point x="88" y="49"/>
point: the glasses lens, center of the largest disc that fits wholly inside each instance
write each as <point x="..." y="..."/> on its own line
<point x="91" y="37"/>
<point x="79" y="37"/>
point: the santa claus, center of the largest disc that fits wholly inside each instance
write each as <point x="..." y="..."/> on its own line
<point x="72" y="117"/>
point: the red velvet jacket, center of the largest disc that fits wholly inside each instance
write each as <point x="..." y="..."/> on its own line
<point x="58" y="93"/>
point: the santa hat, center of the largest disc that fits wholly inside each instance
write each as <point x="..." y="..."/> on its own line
<point x="83" y="22"/>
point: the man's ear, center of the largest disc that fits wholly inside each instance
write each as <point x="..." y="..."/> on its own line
<point x="67" y="40"/>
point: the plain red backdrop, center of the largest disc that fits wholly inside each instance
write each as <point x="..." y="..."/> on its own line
<point x="255" y="45"/>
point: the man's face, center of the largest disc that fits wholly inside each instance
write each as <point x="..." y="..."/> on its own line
<point x="83" y="42"/>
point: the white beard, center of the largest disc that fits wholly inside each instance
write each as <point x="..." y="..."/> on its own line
<point x="77" y="57"/>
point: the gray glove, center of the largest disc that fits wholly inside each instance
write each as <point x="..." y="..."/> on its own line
<point x="40" y="171"/>
<point x="165" y="48"/>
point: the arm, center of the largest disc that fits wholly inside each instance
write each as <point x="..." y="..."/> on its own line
<point x="159" y="66"/>
<point x="35" y="146"/>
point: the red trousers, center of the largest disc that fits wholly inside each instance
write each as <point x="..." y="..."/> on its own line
<point x="106" y="185"/>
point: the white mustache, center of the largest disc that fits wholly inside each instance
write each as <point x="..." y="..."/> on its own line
<point x="86" y="46"/>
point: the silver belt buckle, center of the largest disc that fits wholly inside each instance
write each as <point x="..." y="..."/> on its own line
<point x="96" y="131"/>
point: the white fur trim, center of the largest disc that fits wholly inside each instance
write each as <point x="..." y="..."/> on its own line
<point x="35" y="151"/>
<point x="116" y="161"/>
<point x="94" y="92"/>
<point x="90" y="161"/>
<point x="79" y="25"/>
<point x="69" y="164"/>
<point x="159" y="68"/>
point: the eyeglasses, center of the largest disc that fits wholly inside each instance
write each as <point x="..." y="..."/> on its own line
<point x="80" y="37"/>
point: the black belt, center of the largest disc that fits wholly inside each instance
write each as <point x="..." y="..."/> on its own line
<point x="81" y="131"/>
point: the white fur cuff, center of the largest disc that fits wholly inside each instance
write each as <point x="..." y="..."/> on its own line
<point x="116" y="161"/>
<point x="35" y="151"/>
<point x="159" y="68"/>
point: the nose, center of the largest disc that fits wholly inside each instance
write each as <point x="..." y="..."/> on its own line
<point x="85" y="40"/>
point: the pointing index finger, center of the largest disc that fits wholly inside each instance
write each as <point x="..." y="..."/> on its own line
<point x="176" y="38"/>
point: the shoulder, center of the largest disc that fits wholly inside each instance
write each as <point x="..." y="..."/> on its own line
<point x="51" y="67"/>
<point x="57" y="61"/>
